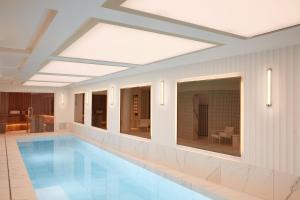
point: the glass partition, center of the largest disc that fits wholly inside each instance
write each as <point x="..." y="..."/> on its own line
<point x="136" y="111"/>
<point x="99" y="109"/>
<point x="27" y="112"/>
<point x="41" y="112"/>
<point x="208" y="115"/>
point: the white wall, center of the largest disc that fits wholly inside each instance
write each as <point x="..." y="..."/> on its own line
<point x="271" y="136"/>
<point x="269" y="139"/>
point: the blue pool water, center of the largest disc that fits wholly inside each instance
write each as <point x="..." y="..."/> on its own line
<point x="62" y="168"/>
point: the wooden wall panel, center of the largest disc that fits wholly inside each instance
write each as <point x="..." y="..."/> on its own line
<point x="19" y="101"/>
<point x="43" y="103"/>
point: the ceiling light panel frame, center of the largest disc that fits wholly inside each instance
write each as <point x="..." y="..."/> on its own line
<point x="67" y="68"/>
<point x="58" y="78"/>
<point x="45" y="84"/>
<point x="117" y="5"/>
<point x="88" y="26"/>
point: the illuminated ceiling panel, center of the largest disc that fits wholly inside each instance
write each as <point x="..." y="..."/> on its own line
<point x="114" y="43"/>
<point x="244" y="18"/>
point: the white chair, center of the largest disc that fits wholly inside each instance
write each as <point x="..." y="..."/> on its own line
<point x="223" y="134"/>
<point x="216" y="136"/>
<point x="227" y="134"/>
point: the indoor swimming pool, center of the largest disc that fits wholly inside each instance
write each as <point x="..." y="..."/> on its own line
<point x="67" y="167"/>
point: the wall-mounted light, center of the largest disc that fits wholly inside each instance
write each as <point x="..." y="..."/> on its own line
<point x="87" y="98"/>
<point x="112" y="95"/>
<point x="269" y="87"/>
<point x="162" y="92"/>
<point x="62" y="99"/>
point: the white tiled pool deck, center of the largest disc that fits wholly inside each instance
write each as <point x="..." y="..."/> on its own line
<point x="4" y="182"/>
<point x="21" y="188"/>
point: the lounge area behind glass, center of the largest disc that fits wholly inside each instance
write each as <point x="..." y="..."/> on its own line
<point x="99" y="109"/>
<point x="79" y="108"/>
<point x="135" y="118"/>
<point x="209" y="115"/>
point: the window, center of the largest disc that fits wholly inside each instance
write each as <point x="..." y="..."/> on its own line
<point x="79" y="108"/>
<point x="136" y="111"/>
<point x="99" y="109"/>
<point x="208" y="115"/>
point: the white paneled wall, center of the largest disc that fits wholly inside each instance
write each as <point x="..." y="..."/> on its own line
<point x="270" y="136"/>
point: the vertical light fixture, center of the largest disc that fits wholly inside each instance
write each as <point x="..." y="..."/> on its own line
<point x="162" y="92"/>
<point x="87" y="98"/>
<point x="112" y="95"/>
<point x="269" y="87"/>
<point x="62" y="99"/>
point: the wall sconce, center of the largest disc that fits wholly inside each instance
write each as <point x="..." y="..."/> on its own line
<point x="87" y="98"/>
<point x="112" y="95"/>
<point x="162" y="92"/>
<point x="269" y="87"/>
<point x="62" y="99"/>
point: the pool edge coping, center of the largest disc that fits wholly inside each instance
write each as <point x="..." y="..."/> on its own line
<point x="21" y="187"/>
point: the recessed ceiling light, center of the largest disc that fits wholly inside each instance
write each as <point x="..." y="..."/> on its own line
<point x="244" y="18"/>
<point x="45" y="84"/>
<point x="115" y="43"/>
<point x="56" y="78"/>
<point x="83" y="69"/>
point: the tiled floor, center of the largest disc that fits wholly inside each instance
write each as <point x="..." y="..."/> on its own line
<point x="21" y="187"/>
<point x="20" y="184"/>
<point x="4" y="183"/>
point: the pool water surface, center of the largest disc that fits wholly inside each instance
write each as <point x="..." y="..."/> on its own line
<point x="67" y="168"/>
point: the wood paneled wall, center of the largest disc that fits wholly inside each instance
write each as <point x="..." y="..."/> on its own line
<point x="43" y="103"/>
<point x="19" y="101"/>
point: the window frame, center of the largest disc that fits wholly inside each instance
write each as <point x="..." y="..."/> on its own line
<point x="129" y="86"/>
<point x="242" y="115"/>
<point x="84" y="107"/>
<point x="107" y="111"/>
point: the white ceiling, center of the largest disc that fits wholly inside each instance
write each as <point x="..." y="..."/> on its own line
<point x="20" y="20"/>
<point x="9" y="60"/>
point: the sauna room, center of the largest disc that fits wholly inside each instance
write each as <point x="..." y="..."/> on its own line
<point x="26" y="112"/>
